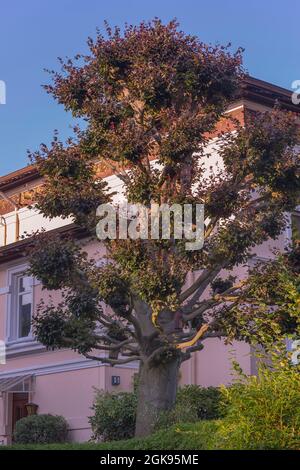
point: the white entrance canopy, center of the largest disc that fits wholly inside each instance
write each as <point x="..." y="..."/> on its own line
<point x="20" y="383"/>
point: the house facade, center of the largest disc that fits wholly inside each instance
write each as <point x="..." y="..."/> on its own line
<point x="63" y="382"/>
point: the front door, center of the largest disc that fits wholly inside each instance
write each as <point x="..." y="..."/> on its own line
<point x="19" y="410"/>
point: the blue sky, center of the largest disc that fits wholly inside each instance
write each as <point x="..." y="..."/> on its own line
<point x="33" y="33"/>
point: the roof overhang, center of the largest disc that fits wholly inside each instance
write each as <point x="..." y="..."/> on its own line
<point x="18" y="384"/>
<point x="22" y="176"/>
<point x="259" y="91"/>
<point x="19" y="249"/>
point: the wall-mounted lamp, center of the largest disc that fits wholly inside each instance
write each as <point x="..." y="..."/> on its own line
<point x="31" y="408"/>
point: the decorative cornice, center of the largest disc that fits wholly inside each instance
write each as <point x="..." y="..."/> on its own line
<point x="267" y="94"/>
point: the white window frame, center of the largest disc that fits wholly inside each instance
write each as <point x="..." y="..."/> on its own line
<point x="12" y="318"/>
<point x="288" y="230"/>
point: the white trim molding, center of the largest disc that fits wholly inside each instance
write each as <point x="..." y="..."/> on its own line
<point x="10" y="319"/>
<point x="56" y="368"/>
<point x="4" y="290"/>
<point x="23" y="347"/>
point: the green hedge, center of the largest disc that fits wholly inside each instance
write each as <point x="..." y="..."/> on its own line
<point x="192" y="436"/>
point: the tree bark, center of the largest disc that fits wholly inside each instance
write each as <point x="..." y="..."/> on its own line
<point x="156" y="393"/>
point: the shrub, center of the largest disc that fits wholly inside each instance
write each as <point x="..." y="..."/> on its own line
<point x="263" y="412"/>
<point x="205" y="400"/>
<point x="193" y="403"/>
<point x="179" y="414"/>
<point x="41" y="429"/>
<point x="114" y="415"/>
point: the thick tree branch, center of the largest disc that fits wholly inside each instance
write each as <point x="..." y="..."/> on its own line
<point x="113" y="362"/>
<point x="201" y="283"/>
<point x="205" y="305"/>
<point x="198" y="335"/>
<point x="116" y="346"/>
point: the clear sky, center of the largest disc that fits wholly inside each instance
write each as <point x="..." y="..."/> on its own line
<point x="33" y="33"/>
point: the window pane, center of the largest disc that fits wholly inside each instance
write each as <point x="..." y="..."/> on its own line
<point x="25" y="283"/>
<point x="24" y="315"/>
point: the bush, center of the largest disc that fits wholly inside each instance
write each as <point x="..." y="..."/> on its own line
<point x="206" y="401"/>
<point x="114" y="417"/>
<point x="263" y="412"/>
<point x="193" y="403"/>
<point x="41" y="429"/>
<point x="179" y="414"/>
<point x="115" y="413"/>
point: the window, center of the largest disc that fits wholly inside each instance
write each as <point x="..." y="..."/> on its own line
<point x="20" y="306"/>
<point x="24" y="305"/>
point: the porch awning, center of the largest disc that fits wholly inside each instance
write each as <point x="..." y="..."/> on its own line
<point x="20" y="383"/>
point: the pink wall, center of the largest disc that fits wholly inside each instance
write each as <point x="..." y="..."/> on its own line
<point x="71" y="394"/>
<point x="61" y="390"/>
<point x="213" y="365"/>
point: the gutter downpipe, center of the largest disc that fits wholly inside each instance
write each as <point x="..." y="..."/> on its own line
<point x="4" y="224"/>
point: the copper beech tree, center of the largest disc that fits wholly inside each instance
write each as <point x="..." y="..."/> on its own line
<point x="153" y="94"/>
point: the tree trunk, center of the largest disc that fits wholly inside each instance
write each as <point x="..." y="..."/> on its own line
<point x="156" y="393"/>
